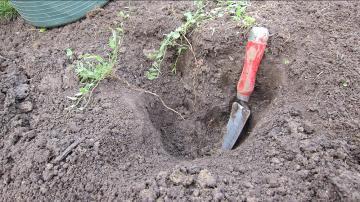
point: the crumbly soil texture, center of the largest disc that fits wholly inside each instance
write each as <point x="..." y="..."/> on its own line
<point x="301" y="143"/>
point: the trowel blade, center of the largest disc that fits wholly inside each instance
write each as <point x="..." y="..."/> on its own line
<point x="238" y="117"/>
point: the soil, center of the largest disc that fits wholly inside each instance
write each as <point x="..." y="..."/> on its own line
<point x="302" y="142"/>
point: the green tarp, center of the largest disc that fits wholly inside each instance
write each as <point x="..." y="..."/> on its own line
<point x="52" y="13"/>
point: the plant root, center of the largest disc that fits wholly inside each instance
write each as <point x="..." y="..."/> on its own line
<point x="149" y="92"/>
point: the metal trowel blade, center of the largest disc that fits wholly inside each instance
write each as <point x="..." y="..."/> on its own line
<point x="238" y="117"/>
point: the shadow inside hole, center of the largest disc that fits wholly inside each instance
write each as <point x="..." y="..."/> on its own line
<point x="191" y="138"/>
<point x="245" y="133"/>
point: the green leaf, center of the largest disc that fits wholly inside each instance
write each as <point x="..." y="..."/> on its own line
<point x="42" y="30"/>
<point x="152" y="73"/>
<point x="249" y="21"/>
<point x="69" y="53"/>
<point x="120" y="30"/>
<point x="113" y="40"/>
<point x="175" y="35"/>
<point x="240" y="11"/>
<point x="344" y="83"/>
<point x="123" y="14"/>
<point x="188" y="16"/>
<point x="83" y="91"/>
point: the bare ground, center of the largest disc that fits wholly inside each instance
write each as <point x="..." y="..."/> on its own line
<point x="302" y="141"/>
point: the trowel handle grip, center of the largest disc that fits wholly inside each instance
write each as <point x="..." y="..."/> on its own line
<point x="254" y="52"/>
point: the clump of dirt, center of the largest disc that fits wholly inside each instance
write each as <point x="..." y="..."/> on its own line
<point x="302" y="141"/>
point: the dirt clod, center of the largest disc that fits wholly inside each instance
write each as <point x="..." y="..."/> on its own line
<point x="21" y="91"/>
<point x="206" y="179"/>
<point x="178" y="177"/>
<point x="25" y="107"/>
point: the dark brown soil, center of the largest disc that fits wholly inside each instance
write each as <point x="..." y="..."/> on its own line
<point x="302" y="143"/>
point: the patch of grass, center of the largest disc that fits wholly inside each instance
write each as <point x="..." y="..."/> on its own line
<point x="237" y="9"/>
<point x="175" y="39"/>
<point x="7" y="11"/>
<point x="92" y="69"/>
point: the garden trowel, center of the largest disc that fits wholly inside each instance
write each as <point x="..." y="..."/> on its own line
<point x="240" y="112"/>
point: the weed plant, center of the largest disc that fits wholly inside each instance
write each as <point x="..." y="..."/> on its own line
<point x="237" y="9"/>
<point x="7" y="11"/>
<point x="177" y="38"/>
<point x="92" y="69"/>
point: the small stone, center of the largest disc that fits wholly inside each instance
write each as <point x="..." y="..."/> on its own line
<point x="205" y="179"/>
<point x="21" y="91"/>
<point x="26" y="106"/>
<point x="47" y="175"/>
<point x="248" y="185"/>
<point x="300" y="129"/>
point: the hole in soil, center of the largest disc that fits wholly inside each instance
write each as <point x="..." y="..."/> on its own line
<point x="190" y="138"/>
<point x="268" y="81"/>
<point x="202" y="132"/>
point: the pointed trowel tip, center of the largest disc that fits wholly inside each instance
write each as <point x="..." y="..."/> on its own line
<point x="238" y="117"/>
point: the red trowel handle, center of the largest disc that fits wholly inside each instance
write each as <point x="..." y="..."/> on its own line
<point x="254" y="52"/>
